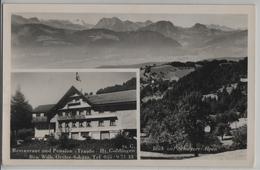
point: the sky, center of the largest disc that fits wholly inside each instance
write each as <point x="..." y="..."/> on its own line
<point x="48" y="87"/>
<point x="185" y="20"/>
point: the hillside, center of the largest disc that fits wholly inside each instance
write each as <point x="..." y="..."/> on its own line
<point x="168" y="71"/>
<point x="211" y="76"/>
<point x="39" y="35"/>
<point x="207" y="78"/>
<point x="43" y="35"/>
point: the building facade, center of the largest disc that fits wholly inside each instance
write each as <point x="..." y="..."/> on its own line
<point x="81" y="117"/>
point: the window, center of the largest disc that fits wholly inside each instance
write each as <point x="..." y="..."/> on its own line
<point x="74" y="124"/>
<point x="80" y="124"/>
<point x="38" y="114"/>
<point x="88" y="112"/>
<point x="104" y="135"/>
<point x="88" y="124"/>
<point x="85" y="134"/>
<point x="101" y="123"/>
<point x="73" y="104"/>
<point x="113" y="122"/>
<point x="73" y="113"/>
<point x="66" y="125"/>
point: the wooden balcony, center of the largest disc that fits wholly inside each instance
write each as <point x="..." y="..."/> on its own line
<point x="89" y="129"/>
<point x="81" y="117"/>
<point x="70" y="117"/>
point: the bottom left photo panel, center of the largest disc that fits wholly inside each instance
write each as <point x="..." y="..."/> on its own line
<point x="79" y="115"/>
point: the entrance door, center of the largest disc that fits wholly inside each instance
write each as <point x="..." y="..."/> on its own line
<point x="104" y="135"/>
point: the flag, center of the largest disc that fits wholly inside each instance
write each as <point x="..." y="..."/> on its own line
<point x="77" y="77"/>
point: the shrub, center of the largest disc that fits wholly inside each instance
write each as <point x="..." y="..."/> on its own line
<point x="13" y="140"/>
<point x="222" y="129"/>
<point x="119" y="140"/>
<point x="24" y="133"/>
<point x="65" y="143"/>
<point x="52" y="141"/>
<point x="240" y="138"/>
<point x="28" y="139"/>
<point x="211" y="139"/>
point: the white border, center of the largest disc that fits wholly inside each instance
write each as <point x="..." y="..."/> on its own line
<point x="77" y="8"/>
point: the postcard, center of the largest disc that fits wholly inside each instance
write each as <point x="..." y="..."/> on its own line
<point x="129" y="85"/>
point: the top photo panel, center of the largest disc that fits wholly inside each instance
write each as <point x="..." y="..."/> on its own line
<point x="124" y="40"/>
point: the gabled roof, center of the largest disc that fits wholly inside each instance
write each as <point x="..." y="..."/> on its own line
<point x="114" y="97"/>
<point x="70" y="92"/>
<point x="99" y="99"/>
<point x="44" y="108"/>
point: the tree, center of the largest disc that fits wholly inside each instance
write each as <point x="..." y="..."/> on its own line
<point x="194" y="118"/>
<point x="161" y="123"/>
<point x="221" y="129"/>
<point x="240" y="137"/>
<point x="21" y="112"/>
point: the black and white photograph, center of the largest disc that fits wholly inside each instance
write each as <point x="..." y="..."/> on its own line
<point x="193" y="71"/>
<point x="192" y="102"/>
<point x="67" y="115"/>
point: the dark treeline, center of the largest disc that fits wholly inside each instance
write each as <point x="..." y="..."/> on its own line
<point x="181" y="64"/>
<point x="128" y="85"/>
<point x="210" y="77"/>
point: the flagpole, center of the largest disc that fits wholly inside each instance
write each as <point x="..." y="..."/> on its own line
<point x="78" y="80"/>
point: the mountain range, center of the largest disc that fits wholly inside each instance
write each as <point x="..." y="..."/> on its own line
<point x="118" y="25"/>
<point x="33" y="31"/>
<point x="113" y="30"/>
<point x="112" y="37"/>
<point x="63" y="24"/>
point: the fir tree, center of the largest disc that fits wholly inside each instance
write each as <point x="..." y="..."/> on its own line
<point x="21" y="113"/>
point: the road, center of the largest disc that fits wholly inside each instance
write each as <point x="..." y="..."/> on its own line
<point x="229" y="155"/>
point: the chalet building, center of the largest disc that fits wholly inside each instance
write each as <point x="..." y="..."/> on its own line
<point x="81" y="117"/>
